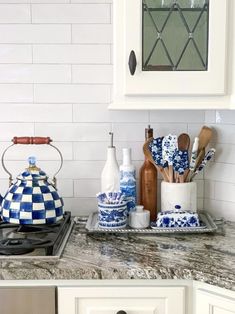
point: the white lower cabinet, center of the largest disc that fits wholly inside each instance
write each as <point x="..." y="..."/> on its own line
<point x="213" y="303"/>
<point x="121" y="300"/>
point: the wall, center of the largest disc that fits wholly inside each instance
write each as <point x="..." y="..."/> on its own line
<point x="56" y="80"/>
<point x="220" y="175"/>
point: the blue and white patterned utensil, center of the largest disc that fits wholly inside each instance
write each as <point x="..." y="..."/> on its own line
<point x="169" y="146"/>
<point x="180" y="163"/>
<point x="193" y="159"/>
<point x="194" y="154"/>
<point x="156" y="150"/>
<point x="155" y="147"/>
<point x="207" y="158"/>
<point x="110" y="197"/>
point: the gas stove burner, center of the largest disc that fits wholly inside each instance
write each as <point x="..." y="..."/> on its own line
<point x="25" y="229"/>
<point x="42" y="240"/>
<point x="15" y="252"/>
<point x="21" y="246"/>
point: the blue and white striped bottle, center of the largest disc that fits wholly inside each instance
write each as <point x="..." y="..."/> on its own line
<point x="128" y="180"/>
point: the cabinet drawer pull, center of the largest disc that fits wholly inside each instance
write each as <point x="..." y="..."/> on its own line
<point x="121" y="312"/>
<point x="132" y="64"/>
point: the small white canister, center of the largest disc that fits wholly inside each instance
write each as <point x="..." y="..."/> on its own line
<point x="179" y="196"/>
<point x="140" y="218"/>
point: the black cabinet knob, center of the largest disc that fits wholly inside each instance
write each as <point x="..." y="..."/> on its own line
<point x="132" y="66"/>
<point x="121" y="312"/>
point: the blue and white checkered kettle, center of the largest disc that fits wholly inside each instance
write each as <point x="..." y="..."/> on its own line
<point x="32" y="199"/>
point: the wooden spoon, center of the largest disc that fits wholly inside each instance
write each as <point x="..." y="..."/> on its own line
<point x="148" y="155"/>
<point x="183" y="144"/>
<point x="183" y="141"/>
<point x="205" y="136"/>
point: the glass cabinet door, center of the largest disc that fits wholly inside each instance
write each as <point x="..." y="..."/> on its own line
<point x="175" y="47"/>
<point x="175" y="35"/>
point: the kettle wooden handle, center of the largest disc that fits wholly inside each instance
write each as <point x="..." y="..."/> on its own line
<point x="26" y="140"/>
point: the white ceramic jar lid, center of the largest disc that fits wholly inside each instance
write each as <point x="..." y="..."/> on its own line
<point x="140" y="218"/>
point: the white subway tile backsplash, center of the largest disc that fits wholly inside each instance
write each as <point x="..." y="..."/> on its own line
<point x="9" y="130"/>
<point x="91" y="113"/>
<point x="16" y="93"/>
<point x="63" y="93"/>
<point x="220" y="172"/>
<point x="92" y="1"/>
<point x="47" y="1"/>
<point x="75" y="54"/>
<point x="23" y="112"/>
<point x="15" y="53"/>
<point x="209" y="189"/>
<point x="98" y="150"/>
<point x="74" y="131"/>
<point x="224" y="133"/>
<point x="56" y="80"/>
<point x="92" y="34"/>
<point x="220" y="209"/>
<point x="36" y="1"/>
<point x="86" y="188"/>
<point x="41" y="152"/>
<point x="200" y="188"/>
<point x="194" y="129"/>
<point x="225" y="153"/>
<point x="225" y="192"/>
<point x="182" y="116"/>
<point x="136" y="131"/>
<point x="130" y="116"/>
<point x="136" y="150"/>
<point x="81" y="169"/>
<point x="65" y="188"/>
<point x="210" y="116"/>
<point x="29" y="33"/>
<point x="14" y="13"/>
<point x="225" y="116"/>
<point x="129" y="131"/>
<point x="90" y="74"/>
<point x="162" y="129"/>
<point x="71" y="13"/>
<point x="81" y="206"/>
<point x="90" y="150"/>
<point x="35" y="73"/>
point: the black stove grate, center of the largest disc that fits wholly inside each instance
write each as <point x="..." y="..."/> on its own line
<point x="23" y="239"/>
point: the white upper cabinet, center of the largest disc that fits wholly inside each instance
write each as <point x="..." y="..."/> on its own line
<point x="171" y="54"/>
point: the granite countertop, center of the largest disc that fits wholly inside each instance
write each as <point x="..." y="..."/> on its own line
<point x="208" y="258"/>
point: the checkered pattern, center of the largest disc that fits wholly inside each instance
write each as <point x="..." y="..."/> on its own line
<point x="32" y="202"/>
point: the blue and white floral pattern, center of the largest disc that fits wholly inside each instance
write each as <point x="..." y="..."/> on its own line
<point x="173" y="219"/>
<point x="169" y="146"/>
<point x="112" y="215"/>
<point x="180" y="161"/>
<point x="128" y="187"/>
<point x="155" y="147"/>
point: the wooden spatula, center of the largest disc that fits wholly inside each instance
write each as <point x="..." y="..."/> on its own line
<point x="205" y="136"/>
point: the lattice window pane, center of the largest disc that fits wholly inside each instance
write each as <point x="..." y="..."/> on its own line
<point x="175" y="35"/>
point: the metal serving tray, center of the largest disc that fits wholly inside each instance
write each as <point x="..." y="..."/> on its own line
<point x="207" y="225"/>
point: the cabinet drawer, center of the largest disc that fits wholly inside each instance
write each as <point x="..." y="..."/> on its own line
<point x="209" y="302"/>
<point x="111" y="300"/>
